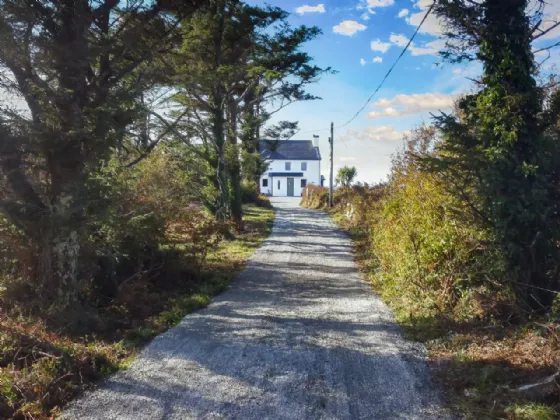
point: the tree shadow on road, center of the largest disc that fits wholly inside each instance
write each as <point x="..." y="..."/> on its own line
<point x="299" y="335"/>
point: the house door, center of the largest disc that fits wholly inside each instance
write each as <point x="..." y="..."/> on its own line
<point x="290" y="187"/>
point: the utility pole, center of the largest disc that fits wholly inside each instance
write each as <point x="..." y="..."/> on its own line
<point x="331" y="141"/>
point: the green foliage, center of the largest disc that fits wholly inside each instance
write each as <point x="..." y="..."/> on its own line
<point x="419" y="243"/>
<point x="500" y="152"/>
<point x="428" y="260"/>
<point x="346" y="175"/>
<point x="248" y="63"/>
<point x="422" y="255"/>
<point x="42" y="368"/>
<point x="531" y="412"/>
<point x="87" y="99"/>
<point x="250" y="192"/>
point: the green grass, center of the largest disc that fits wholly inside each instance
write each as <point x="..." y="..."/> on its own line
<point x="221" y="266"/>
<point x="531" y="412"/>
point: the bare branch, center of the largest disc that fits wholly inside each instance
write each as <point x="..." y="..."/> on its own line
<point x="543" y="33"/>
<point x="153" y="144"/>
<point x="547" y="48"/>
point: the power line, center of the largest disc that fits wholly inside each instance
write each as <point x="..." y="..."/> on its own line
<point x="386" y="75"/>
<point x="392" y="67"/>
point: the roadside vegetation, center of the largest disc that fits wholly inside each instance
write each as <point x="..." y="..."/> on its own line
<point x="129" y="164"/>
<point x="462" y="240"/>
<point x="48" y="356"/>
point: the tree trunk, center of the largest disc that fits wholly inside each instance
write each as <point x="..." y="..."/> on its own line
<point x="235" y="169"/>
<point x="222" y="205"/>
<point x="218" y="123"/>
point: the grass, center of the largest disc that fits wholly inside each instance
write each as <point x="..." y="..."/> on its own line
<point x="478" y="363"/>
<point x="42" y="368"/>
<point x="532" y="412"/>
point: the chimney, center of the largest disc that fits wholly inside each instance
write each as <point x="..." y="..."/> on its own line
<point x="315" y="140"/>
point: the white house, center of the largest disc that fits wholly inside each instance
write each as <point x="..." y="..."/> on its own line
<point x="293" y="164"/>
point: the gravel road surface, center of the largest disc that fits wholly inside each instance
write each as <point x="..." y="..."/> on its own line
<point x="298" y="335"/>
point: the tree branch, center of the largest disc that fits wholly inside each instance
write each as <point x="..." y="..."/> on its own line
<point x="546" y="31"/>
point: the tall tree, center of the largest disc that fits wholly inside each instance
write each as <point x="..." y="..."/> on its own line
<point x="253" y="68"/>
<point x="77" y="70"/>
<point x="497" y="153"/>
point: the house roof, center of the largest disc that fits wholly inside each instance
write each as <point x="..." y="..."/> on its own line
<point x="289" y="150"/>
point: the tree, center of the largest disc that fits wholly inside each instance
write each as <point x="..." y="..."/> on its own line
<point x="498" y="154"/>
<point x="236" y="61"/>
<point x="346" y="176"/>
<point x="77" y="70"/>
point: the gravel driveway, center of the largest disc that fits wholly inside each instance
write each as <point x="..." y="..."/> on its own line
<point x="298" y="335"/>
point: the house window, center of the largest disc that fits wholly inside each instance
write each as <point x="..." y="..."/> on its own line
<point x="288" y="166"/>
<point x="303" y="183"/>
<point x="265" y="182"/>
<point x="303" y="166"/>
<point x="278" y="184"/>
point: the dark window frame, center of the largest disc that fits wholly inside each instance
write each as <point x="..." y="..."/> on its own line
<point x="303" y="183"/>
<point x="278" y="184"/>
<point x="304" y="166"/>
<point x="288" y="166"/>
<point x="265" y="182"/>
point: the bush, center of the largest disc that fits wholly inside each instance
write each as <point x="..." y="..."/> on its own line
<point x="429" y="259"/>
<point x="141" y="221"/>
<point x="423" y="249"/>
<point x="315" y="197"/>
<point x="249" y="191"/>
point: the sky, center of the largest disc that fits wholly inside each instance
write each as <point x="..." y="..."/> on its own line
<point x="361" y="40"/>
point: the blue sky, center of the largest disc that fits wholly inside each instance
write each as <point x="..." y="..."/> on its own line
<point x="355" y="33"/>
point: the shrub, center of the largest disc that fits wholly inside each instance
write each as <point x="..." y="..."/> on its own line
<point x="429" y="258"/>
<point x="249" y="191"/>
<point x="424" y="250"/>
<point x="315" y="197"/>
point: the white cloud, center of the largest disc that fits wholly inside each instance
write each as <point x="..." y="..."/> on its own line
<point x="412" y="104"/>
<point x="376" y="133"/>
<point x="365" y="16"/>
<point x="320" y="8"/>
<point x="432" y="25"/>
<point x="399" y="40"/>
<point x="362" y="62"/>
<point x="422" y="4"/>
<point x="348" y="27"/>
<point x="372" y="4"/>
<point x="378" y="60"/>
<point x="403" y="13"/>
<point x="435" y="26"/>
<point x="377" y="45"/>
<point x="432" y="47"/>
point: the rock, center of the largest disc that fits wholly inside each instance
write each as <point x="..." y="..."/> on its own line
<point x="540" y="389"/>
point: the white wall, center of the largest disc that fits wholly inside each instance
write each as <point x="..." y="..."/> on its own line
<point x="312" y="174"/>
